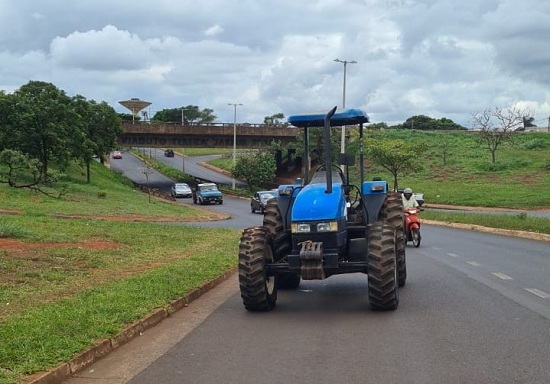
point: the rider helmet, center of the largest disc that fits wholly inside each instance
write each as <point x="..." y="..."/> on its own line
<point x="408" y="190"/>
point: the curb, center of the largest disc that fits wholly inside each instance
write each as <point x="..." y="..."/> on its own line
<point x="495" y="231"/>
<point x="64" y="371"/>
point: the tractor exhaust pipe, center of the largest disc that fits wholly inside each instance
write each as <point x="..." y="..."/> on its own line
<point x="328" y="150"/>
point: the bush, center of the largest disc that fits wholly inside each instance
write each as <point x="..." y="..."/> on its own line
<point x="535" y="144"/>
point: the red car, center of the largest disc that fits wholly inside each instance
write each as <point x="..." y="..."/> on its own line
<point x="117" y="155"/>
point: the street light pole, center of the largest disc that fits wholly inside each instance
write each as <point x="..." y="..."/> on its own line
<point x="234" y="137"/>
<point x="345" y="62"/>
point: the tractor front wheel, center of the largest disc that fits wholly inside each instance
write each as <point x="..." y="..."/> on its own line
<point x="258" y="290"/>
<point x="282" y="243"/>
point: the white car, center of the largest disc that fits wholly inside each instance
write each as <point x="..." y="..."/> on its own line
<point x="181" y="190"/>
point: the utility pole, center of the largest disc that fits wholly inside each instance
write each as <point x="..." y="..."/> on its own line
<point x="234" y="137"/>
<point x="345" y="62"/>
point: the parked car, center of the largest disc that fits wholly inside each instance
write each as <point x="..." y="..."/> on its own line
<point x="181" y="190"/>
<point x="259" y="200"/>
<point x="169" y="153"/>
<point x="207" y="193"/>
<point x="117" y="155"/>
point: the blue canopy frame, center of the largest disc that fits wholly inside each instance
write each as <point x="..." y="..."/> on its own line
<point x="344" y="117"/>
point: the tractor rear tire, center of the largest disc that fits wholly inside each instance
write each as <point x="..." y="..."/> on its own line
<point x="282" y="243"/>
<point x="258" y="290"/>
<point x="392" y="212"/>
<point x="382" y="267"/>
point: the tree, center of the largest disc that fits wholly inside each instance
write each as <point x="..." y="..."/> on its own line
<point x="44" y="123"/>
<point x="128" y="117"/>
<point x="256" y="168"/>
<point x="276" y="120"/>
<point x="316" y="139"/>
<point x="100" y="127"/>
<point x="186" y="115"/>
<point x="497" y="127"/>
<point x="8" y="119"/>
<point x="20" y="171"/>
<point x="422" y="122"/>
<point x="395" y="156"/>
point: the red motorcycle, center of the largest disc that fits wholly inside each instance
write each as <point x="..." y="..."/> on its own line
<point x="412" y="226"/>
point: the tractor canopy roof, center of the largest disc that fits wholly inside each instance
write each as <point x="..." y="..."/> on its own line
<point x="343" y="117"/>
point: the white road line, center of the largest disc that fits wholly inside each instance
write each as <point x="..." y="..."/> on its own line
<point x="474" y="264"/>
<point x="452" y="254"/>
<point x="502" y="276"/>
<point x="541" y="294"/>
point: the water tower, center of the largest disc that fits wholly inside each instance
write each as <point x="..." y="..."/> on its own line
<point x="135" y="105"/>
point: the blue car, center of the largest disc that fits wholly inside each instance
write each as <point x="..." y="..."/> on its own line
<point x="207" y="193"/>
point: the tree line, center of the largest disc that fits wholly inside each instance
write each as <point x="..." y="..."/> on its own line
<point x="40" y="124"/>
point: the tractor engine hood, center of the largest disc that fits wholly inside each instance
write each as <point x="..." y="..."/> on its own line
<point x="313" y="203"/>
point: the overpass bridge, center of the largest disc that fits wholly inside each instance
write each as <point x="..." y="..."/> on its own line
<point x="212" y="135"/>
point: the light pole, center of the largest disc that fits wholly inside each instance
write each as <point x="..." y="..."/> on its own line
<point x="234" y="137"/>
<point x="345" y="62"/>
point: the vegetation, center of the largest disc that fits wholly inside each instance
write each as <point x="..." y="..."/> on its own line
<point x="190" y="114"/>
<point x="497" y="127"/>
<point x="457" y="171"/>
<point x="422" y="122"/>
<point x="395" y="156"/>
<point x="256" y="167"/>
<point x="45" y="125"/>
<point x="276" y="120"/>
<point x="110" y="259"/>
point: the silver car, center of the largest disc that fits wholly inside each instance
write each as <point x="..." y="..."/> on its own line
<point x="259" y="201"/>
<point x="181" y="190"/>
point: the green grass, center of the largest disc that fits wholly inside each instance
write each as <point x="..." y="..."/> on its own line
<point x="69" y="282"/>
<point x="42" y="336"/>
<point x="520" y="221"/>
<point x="520" y="178"/>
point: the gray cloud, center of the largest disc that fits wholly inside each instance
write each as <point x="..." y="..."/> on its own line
<point x="437" y="58"/>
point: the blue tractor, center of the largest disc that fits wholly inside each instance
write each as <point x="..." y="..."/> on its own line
<point x="326" y="226"/>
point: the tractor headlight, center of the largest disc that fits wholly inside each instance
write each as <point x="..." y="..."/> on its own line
<point x="300" y="228"/>
<point x="330" y="226"/>
<point x="325" y="226"/>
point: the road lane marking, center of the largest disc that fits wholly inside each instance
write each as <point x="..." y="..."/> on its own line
<point x="474" y="264"/>
<point x="539" y="293"/>
<point x="452" y="254"/>
<point x="502" y="276"/>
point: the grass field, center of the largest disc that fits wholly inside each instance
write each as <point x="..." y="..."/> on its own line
<point x="77" y="270"/>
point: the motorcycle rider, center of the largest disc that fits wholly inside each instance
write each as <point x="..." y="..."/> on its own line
<point x="408" y="200"/>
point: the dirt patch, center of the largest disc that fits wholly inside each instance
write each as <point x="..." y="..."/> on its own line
<point x="133" y="218"/>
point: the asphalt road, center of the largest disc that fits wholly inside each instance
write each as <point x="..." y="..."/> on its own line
<point x="191" y="166"/>
<point x="476" y="309"/>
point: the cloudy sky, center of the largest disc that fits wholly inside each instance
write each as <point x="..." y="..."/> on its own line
<point x="440" y="58"/>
